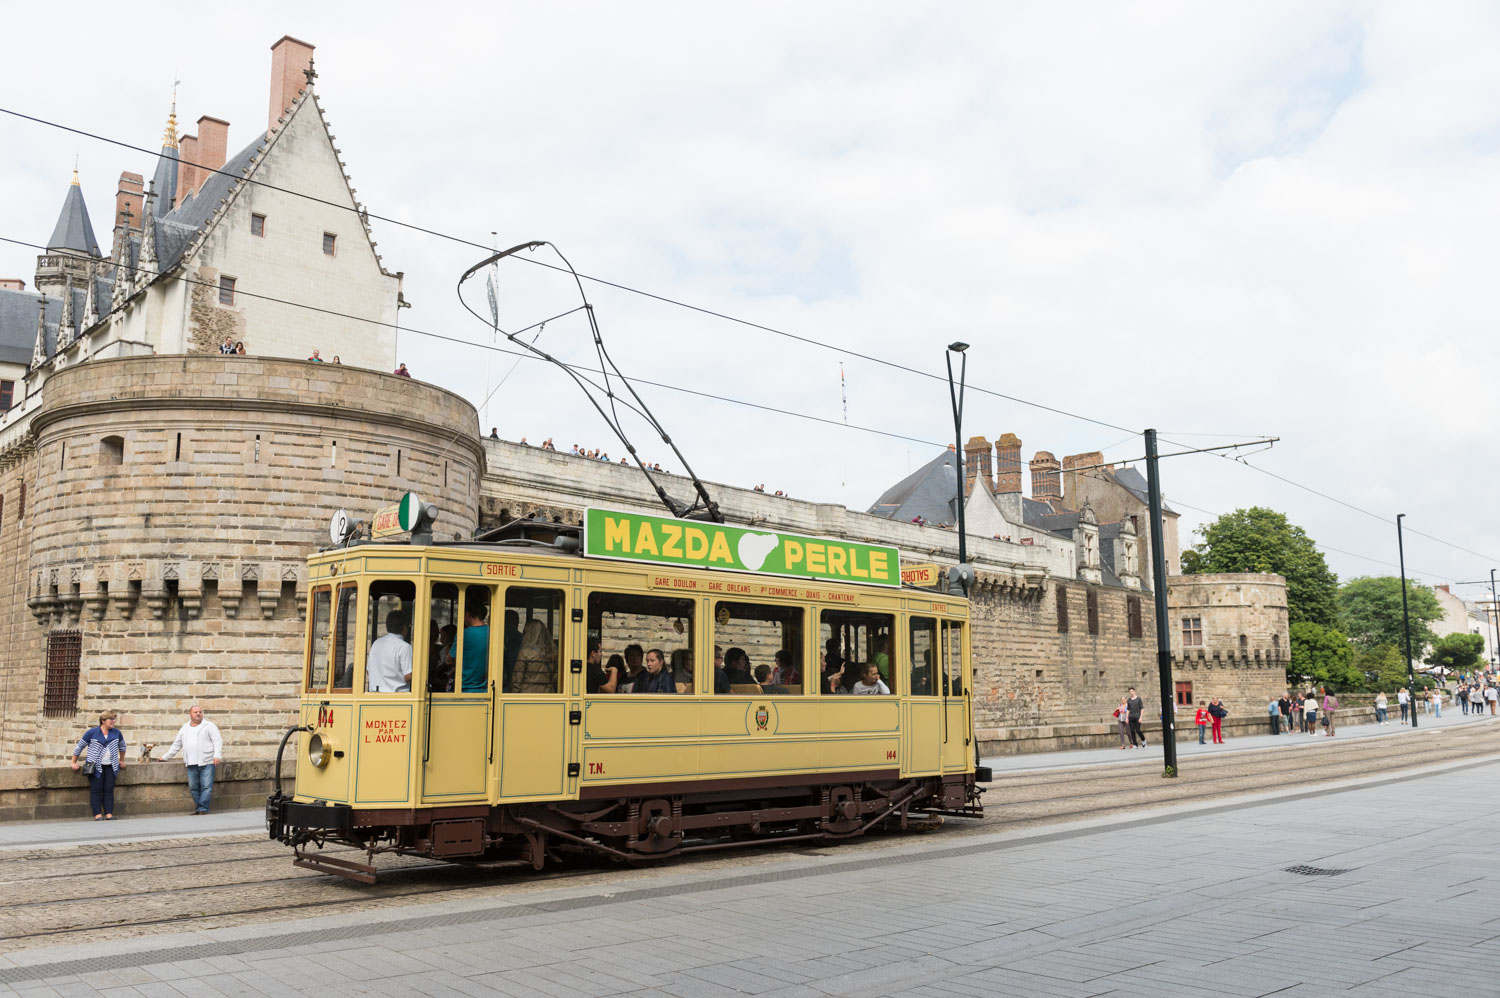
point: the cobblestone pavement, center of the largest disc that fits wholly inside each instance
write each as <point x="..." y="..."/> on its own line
<point x="1381" y="888"/>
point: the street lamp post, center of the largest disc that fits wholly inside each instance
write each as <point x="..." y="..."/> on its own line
<point x="956" y="396"/>
<point x="1411" y="674"/>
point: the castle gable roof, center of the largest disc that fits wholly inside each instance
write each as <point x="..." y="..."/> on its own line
<point x="928" y="492"/>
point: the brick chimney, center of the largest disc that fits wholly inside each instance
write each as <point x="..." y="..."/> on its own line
<point x="977" y="465"/>
<point x="290" y="61"/>
<point x="12" y="284"/>
<point x="1072" y="488"/>
<point x="1008" y="463"/>
<point x="130" y="194"/>
<point x="213" y="145"/>
<point x="187" y="175"/>
<point x="1046" y="483"/>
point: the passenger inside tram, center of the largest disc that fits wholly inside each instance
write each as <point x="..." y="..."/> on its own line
<point x="476" y="651"/>
<point x="657" y="677"/>
<point x="763" y="677"/>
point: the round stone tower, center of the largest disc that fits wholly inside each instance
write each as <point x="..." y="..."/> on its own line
<point x="174" y="503"/>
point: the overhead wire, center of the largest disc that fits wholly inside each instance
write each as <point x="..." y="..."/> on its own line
<point x="364" y="213"/>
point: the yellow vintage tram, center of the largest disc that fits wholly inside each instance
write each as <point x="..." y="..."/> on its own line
<point x="464" y="700"/>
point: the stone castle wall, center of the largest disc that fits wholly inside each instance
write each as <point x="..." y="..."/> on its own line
<point x="175" y="502"/>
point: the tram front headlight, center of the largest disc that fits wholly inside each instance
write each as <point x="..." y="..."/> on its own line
<point x="318" y="751"/>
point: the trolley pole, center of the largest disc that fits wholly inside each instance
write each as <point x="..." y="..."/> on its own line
<point x="1411" y="672"/>
<point x="956" y="396"/>
<point x="1163" y="635"/>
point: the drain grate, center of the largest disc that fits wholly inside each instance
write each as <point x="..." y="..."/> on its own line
<point x="1314" y="871"/>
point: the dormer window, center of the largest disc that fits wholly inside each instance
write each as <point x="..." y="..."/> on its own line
<point x="330" y="243"/>
<point x="258" y="225"/>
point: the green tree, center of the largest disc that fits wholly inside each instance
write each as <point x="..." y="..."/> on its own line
<point x="1383" y="667"/>
<point x="1459" y="652"/>
<point x="1325" y="655"/>
<point x="1370" y="612"/>
<point x="1261" y="540"/>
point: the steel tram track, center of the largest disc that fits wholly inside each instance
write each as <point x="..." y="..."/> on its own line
<point x="1210" y="779"/>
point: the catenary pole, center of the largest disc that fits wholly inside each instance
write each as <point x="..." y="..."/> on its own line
<point x="1494" y="619"/>
<point x="1411" y="672"/>
<point x="1163" y="635"/>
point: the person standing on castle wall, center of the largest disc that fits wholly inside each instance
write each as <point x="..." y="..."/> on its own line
<point x="202" y="749"/>
<point x="103" y="749"/>
<point x="401" y="372"/>
<point x="316" y="357"/>
<point x="1136" y="705"/>
<point x="1200" y="719"/>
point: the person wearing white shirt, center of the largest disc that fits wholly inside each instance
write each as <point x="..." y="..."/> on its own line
<point x="1404" y="699"/>
<point x="388" y="664"/>
<point x="202" y="749"/>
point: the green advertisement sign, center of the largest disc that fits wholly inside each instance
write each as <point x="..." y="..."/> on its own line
<point x="662" y="540"/>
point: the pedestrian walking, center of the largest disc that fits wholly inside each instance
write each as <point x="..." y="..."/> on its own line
<point x="1382" y="705"/>
<point x="202" y="749"/>
<point x="1310" y="711"/>
<point x="1491" y="695"/>
<point x="1122" y="721"/>
<point x="1435" y="698"/>
<point x="1330" y="710"/>
<point x="1135" y="705"/>
<point x="1476" y="699"/>
<point x="1403" y="700"/>
<point x="103" y="750"/>
<point x="1217" y="713"/>
<point x="1201" y="719"/>
<point x="1274" y="712"/>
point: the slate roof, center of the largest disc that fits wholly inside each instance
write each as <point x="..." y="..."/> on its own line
<point x="177" y="229"/>
<point x="164" y="181"/>
<point x="1135" y="483"/>
<point x="73" y="230"/>
<point x="18" y="325"/>
<point x="928" y="492"/>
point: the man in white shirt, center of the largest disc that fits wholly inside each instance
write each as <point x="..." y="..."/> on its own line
<point x="202" y="749"/>
<point x="388" y="665"/>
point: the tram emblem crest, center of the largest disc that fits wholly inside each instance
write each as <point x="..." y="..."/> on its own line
<point x="762" y="717"/>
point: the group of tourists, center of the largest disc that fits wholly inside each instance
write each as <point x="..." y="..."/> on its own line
<point x="100" y="755"/>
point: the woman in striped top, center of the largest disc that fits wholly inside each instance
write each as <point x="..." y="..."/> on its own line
<point x="104" y="746"/>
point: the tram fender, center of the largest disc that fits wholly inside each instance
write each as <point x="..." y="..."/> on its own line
<point x="284" y="815"/>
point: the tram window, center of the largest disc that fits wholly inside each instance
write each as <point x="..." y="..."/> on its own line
<point x="851" y="640"/>
<point x="388" y="656"/>
<point x="762" y="646"/>
<point x="471" y="654"/>
<point x="953" y="658"/>
<point x="634" y="626"/>
<point x="317" y="641"/>
<point x="443" y="621"/>
<point x="343" y="639"/>
<point x="924" y="647"/>
<point x="533" y="640"/>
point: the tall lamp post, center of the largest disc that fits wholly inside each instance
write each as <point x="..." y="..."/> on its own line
<point x="1411" y="674"/>
<point x="956" y="396"/>
<point x="1494" y="619"/>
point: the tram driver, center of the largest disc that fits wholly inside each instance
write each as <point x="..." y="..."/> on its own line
<point x="388" y="663"/>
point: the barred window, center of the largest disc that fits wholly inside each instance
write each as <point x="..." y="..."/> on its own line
<point x="1093" y="608"/>
<point x="1062" y="609"/>
<point x="60" y="694"/>
<point x="1133" y="615"/>
<point x="7" y="394"/>
<point x="1192" y="632"/>
<point x="226" y="291"/>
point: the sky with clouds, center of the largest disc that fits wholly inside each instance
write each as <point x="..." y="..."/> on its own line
<point x="1224" y="221"/>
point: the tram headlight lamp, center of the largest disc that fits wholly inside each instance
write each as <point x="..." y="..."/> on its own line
<point x="318" y="751"/>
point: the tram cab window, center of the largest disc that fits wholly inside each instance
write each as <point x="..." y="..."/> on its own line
<point x="648" y="632"/>
<point x="953" y="658"/>
<point x="924" y="654"/>
<point x="317" y="640"/>
<point x="389" y="661"/>
<point x="344" y="621"/>
<point x="533" y="640"/>
<point x="850" y="640"/>
<point x="762" y="645"/>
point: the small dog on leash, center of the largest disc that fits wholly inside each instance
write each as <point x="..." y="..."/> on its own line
<point x="146" y="751"/>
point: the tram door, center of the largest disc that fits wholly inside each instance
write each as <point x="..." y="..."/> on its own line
<point x="534" y="726"/>
<point x="924" y="718"/>
<point x="459" y="703"/>
<point x="953" y="683"/>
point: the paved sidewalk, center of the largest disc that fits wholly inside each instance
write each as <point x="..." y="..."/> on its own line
<point x="1373" y="888"/>
<point x="1187" y="751"/>
<point x="85" y="831"/>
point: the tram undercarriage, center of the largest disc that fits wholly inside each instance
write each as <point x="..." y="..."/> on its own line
<point x="628" y="824"/>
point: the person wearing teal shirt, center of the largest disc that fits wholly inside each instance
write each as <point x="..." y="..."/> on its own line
<point x="476" y="678"/>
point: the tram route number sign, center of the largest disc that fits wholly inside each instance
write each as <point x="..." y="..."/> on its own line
<point x="397" y="519"/>
<point x="661" y="540"/>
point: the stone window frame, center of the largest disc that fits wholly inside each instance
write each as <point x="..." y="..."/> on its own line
<point x="1192" y="632"/>
<point x="111" y="451"/>
<point x="1062" y="609"/>
<point x="226" y="290"/>
<point x="257" y="225"/>
<point x="1092" y="605"/>
<point x="330" y="244"/>
<point x="60" y="688"/>
<point x="7" y="395"/>
<point x="1133" y="622"/>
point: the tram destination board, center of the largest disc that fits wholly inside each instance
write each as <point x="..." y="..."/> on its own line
<point x="660" y="540"/>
